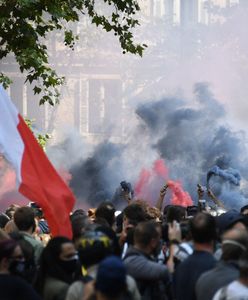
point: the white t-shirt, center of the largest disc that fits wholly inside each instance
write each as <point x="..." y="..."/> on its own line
<point x="234" y="291"/>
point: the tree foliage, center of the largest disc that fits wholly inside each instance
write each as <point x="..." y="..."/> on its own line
<point x="42" y="139"/>
<point x="25" y="24"/>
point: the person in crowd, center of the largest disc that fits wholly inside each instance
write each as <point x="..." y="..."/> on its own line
<point x="203" y="230"/>
<point x="110" y="283"/>
<point x="13" y="287"/>
<point x="238" y="289"/>
<point x="153" y="213"/>
<point x="150" y="276"/>
<point x="59" y="267"/>
<point x="132" y="215"/>
<point x="24" y="219"/>
<point x="11" y="210"/>
<point x="174" y="213"/>
<point x="183" y="249"/>
<point x="39" y="216"/>
<point x="106" y="211"/>
<point x="231" y="219"/>
<point x="30" y="271"/>
<point x="79" y="222"/>
<point x="234" y="245"/>
<point x="95" y="245"/>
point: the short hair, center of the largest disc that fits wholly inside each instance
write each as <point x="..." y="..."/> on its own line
<point x="106" y="210"/>
<point x="24" y="218"/>
<point x="135" y="213"/>
<point x="145" y="231"/>
<point x="11" y="210"/>
<point x="79" y="223"/>
<point x="203" y="228"/>
<point x="175" y="213"/>
<point x="7" y="248"/>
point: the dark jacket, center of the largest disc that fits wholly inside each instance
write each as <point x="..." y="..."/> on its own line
<point x="152" y="278"/>
<point x="189" y="271"/>
<point x="210" y="282"/>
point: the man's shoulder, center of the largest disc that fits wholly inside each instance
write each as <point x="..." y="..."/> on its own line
<point x="32" y="240"/>
<point x="134" y="252"/>
<point x="221" y="271"/>
<point x="199" y="259"/>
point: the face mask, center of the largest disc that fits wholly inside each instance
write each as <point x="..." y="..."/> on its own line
<point x="17" y="267"/>
<point x="69" y="266"/>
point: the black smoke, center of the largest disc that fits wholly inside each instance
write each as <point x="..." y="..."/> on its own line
<point x="191" y="140"/>
<point x="94" y="179"/>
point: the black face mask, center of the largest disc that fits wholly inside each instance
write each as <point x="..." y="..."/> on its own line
<point x="17" y="267"/>
<point x="69" y="266"/>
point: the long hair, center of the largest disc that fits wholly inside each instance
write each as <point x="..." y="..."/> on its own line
<point x="49" y="263"/>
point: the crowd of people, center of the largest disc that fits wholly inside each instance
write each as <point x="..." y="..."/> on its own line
<point x="142" y="252"/>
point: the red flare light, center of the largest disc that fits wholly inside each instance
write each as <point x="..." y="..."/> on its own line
<point x="151" y="181"/>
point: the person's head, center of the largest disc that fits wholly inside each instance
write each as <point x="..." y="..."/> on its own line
<point x="234" y="244"/>
<point x="94" y="246"/>
<point x="191" y="211"/>
<point x="27" y="249"/>
<point x="244" y="210"/>
<point x="28" y="252"/>
<point x="230" y="220"/>
<point x="79" y="223"/>
<point x="58" y="260"/>
<point x="134" y="214"/>
<point x="11" y="210"/>
<point x="153" y="213"/>
<point x="203" y="228"/>
<point x="79" y="212"/>
<point x="111" y="278"/>
<point x="106" y="211"/>
<point x="147" y="236"/>
<point x="24" y="219"/>
<point x="175" y="213"/>
<point x="11" y="257"/>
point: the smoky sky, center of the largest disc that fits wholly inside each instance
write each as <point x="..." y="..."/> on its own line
<point x="190" y="140"/>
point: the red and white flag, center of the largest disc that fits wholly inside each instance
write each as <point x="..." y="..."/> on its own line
<point x="36" y="177"/>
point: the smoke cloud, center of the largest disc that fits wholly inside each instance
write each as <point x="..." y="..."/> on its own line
<point x="189" y="140"/>
<point x="189" y="129"/>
